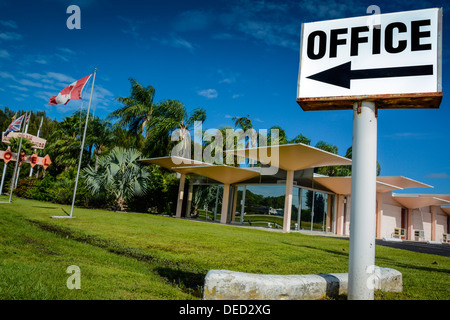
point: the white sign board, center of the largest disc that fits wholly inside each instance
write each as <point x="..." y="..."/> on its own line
<point x="36" y="142"/>
<point x="379" y="55"/>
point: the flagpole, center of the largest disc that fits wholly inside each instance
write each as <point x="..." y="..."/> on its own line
<point x="18" y="158"/>
<point x="39" y="130"/>
<point x="27" y="123"/>
<point x="82" y="145"/>
<point x="3" y="177"/>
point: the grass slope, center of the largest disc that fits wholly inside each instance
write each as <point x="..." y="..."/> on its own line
<point x="140" y="256"/>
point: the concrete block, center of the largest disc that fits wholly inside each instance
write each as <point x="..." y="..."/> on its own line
<point x="231" y="285"/>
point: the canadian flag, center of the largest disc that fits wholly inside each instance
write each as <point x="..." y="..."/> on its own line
<point x="72" y="91"/>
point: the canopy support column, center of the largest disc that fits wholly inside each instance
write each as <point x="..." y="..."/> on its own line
<point x="409" y="231"/>
<point x="233" y="210"/>
<point x="379" y="214"/>
<point x="189" y="200"/>
<point x="225" y="201"/>
<point x="288" y="201"/>
<point x="433" y="223"/>
<point x="180" y="195"/>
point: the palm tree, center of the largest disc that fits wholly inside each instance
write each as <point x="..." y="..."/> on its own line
<point x="64" y="143"/>
<point x="245" y="123"/>
<point x="120" y="176"/>
<point x="169" y="116"/>
<point x="128" y="139"/>
<point x="138" y="109"/>
<point x="228" y="144"/>
<point x="100" y="137"/>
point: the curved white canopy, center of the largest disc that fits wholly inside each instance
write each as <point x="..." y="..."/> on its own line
<point x="294" y="157"/>
<point x="343" y="185"/>
<point x="221" y="173"/>
<point x="173" y="162"/>
<point x="415" y="201"/>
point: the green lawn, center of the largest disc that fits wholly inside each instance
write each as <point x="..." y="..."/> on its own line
<point x="141" y="256"/>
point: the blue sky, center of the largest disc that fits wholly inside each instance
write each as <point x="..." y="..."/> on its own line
<point x="233" y="58"/>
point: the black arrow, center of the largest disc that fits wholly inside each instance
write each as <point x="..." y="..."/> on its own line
<point x="341" y="75"/>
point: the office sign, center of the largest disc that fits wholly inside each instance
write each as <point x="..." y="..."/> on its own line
<point x="393" y="59"/>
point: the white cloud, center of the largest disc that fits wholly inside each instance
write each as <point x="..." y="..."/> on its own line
<point x="6" y="75"/>
<point x="4" y="54"/>
<point x="408" y="135"/>
<point x="208" y="93"/>
<point x="175" y="41"/>
<point x="193" y="20"/>
<point x="48" y="80"/>
<point x="132" y="27"/>
<point x="34" y="75"/>
<point x="18" y="87"/>
<point x="440" y="175"/>
<point x="265" y="21"/>
<point x="7" y="36"/>
<point x="8" y="23"/>
<point x="45" y="95"/>
<point x="30" y="83"/>
<point x="60" y="77"/>
<point x="41" y="61"/>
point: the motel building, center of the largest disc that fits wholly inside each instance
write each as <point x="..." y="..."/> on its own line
<point x="294" y="198"/>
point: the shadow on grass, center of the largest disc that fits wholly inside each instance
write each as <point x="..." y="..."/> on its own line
<point x="342" y="252"/>
<point x="398" y="264"/>
<point x="44" y="207"/>
<point x="180" y="274"/>
<point x="190" y="282"/>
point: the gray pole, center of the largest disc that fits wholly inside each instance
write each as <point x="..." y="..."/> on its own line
<point x="27" y="122"/>
<point x="361" y="268"/>
<point x="39" y="130"/>
<point x="17" y="161"/>
<point x="82" y="146"/>
<point x="3" y="177"/>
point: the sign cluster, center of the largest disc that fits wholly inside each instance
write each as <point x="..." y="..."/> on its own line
<point x="37" y="143"/>
<point x="33" y="160"/>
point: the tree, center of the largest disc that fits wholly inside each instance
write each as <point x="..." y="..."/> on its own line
<point x="100" y="137"/>
<point x="64" y="143"/>
<point x="138" y="109"/>
<point x="281" y="135"/>
<point x="169" y="116"/>
<point x="245" y="123"/>
<point x="120" y="176"/>
<point x="348" y="154"/>
<point x="300" y="138"/>
<point x="328" y="170"/>
<point x="327" y="147"/>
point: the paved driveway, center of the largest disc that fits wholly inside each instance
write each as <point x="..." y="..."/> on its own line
<point x="442" y="249"/>
<point x="423" y="247"/>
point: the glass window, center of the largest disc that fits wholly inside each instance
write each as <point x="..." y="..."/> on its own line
<point x="264" y="206"/>
<point x="206" y="202"/>
<point x="313" y="210"/>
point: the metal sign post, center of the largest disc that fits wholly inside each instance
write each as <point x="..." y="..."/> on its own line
<point x="363" y="65"/>
<point x="363" y="202"/>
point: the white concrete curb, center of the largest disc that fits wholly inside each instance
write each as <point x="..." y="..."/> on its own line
<point x="231" y="285"/>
